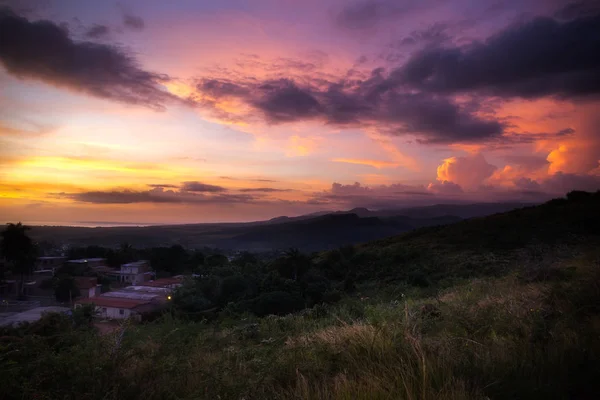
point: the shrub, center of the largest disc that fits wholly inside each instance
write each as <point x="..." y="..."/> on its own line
<point x="278" y="303"/>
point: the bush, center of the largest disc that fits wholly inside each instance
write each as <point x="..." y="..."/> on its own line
<point x="277" y="303"/>
<point x="66" y="289"/>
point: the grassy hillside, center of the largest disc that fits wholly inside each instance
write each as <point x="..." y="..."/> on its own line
<point x="502" y="307"/>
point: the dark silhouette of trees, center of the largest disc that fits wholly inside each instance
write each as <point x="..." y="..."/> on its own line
<point x="19" y="250"/>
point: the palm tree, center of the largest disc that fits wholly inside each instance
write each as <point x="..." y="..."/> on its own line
<point x="297" y="262"/>
<point x="19" y="250"/>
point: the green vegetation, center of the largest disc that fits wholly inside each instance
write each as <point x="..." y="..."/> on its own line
<point x="506" y="306"/>
<point x="19" y="251"/>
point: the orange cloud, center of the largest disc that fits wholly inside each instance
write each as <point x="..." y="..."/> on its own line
<point x="301" y="145"/>
<point x="468" y="172"/>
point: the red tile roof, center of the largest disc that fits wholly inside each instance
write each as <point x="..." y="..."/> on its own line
<point x="162" y="282"/>
<point x="114" y="302"/>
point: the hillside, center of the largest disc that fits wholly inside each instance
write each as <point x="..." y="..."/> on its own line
<point x="327" y="232"/>
<point x="308" y="232"/>
<point x="498" y="307"/>
<point x="473" y="247"/>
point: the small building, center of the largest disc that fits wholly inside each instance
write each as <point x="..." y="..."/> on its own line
<point x="169" y="283"/>
<point x="119" y="308"/>
<point x="48" y="264"/>
<point x="89" y="262"/>
<point x="88" y="286"/>
<point x="135" y="272"/>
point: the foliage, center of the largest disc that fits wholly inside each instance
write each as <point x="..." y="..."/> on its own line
<point x="66" y="289"/>
<point x="499" y="307"/>
<point x="18" y="249"/>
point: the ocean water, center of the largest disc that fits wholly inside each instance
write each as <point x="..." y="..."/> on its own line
<point x="88" y="224"/>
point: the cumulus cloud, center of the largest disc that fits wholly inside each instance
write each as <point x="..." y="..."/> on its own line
<point x="378" y="196"/>
<point x="540" y="57"/>
<point x="468" y="172"/>
<point x="445" y="187"/>
<point x="44" y="51"/>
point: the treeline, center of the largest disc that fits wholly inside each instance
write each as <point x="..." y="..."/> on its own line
<point x="244" y="282"/>
<point x="166" y="261"/>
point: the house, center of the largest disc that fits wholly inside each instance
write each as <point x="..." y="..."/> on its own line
<point x="135" y="272"/>
<point x="89" y="262"/>
<point x="170" y="283"/>
<point x="88" y="286"/>
<point x="119" y="308"/>
<point x="48" y="264"/>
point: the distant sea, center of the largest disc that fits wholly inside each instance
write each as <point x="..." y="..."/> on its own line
<point x="89" y="224"/>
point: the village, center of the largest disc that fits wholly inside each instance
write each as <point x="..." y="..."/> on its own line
<point x="133" y="291"/>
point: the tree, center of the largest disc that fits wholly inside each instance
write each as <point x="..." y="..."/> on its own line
<point x="19" y="250"/>
<point x="66" y="289"/>
<point x="293" y="265"/>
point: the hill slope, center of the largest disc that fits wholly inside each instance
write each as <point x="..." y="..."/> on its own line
<point x="475" y="246"/>
<point x="308" y="232"/>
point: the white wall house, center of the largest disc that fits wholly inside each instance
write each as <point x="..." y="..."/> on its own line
<point x="117" y="308"/>
<point x="134" y="272"/>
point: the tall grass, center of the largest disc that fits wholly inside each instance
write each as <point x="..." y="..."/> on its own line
<point x="491" y="338"/>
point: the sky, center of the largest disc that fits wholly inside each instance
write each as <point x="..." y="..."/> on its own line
<point x="152" y="112"/>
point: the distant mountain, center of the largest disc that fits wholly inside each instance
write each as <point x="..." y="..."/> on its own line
<point x="440" y="210"/>
<point x="327" y="232"/>
<point x="317" y="231"/>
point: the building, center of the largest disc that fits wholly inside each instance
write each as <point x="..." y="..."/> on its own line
<point x="89" y="262"/>
<point x="169" y="283"/>
<point x="48" y="264"/>
<point x="134" y="273"/>
<point x="119" y="308"/>
<point x="88" y="286"/>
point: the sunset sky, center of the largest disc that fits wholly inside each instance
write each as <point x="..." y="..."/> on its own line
<point x="187" y="111"/>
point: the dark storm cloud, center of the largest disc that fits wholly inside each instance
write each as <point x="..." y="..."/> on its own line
<point x="284" y="101"/>
<point x="97" y="31"/>
<point x="133" y="22"/>
<point x="44" y="51"/>
<point x="156" y="195"/>
<point x="576" y="9"/>
<point x="541" y="57"/>
<point x="194" y="186"/>
<point x="376" y="100"/>
<point x="531" y="137"/>
<point x="121" y="197"/>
